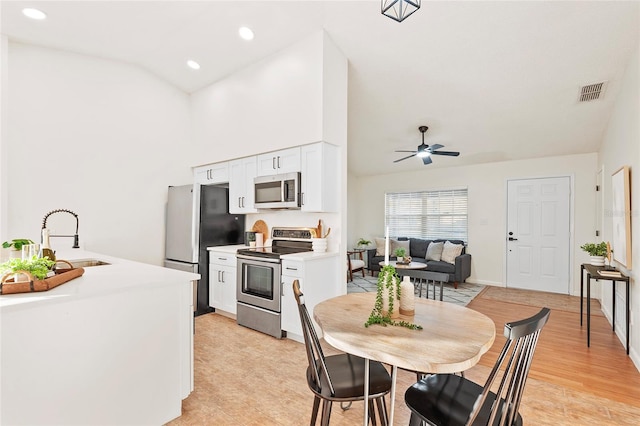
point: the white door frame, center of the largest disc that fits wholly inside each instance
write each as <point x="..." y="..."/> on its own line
<point x="574" y="288"/>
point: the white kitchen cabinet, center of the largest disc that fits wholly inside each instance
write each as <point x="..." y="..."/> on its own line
<point x="211" y="173"/>
<point x="241" y="193"/>
<point x="317" y="277"/>
<point x="320" y="177"/>
<point x="289" y="316"/>
<point x="279" y="162"/>
<point x="222" y="281"/>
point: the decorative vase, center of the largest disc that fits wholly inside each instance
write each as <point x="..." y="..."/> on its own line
<point x="400" y="259"/>
<point x="395" y="313"/>
<point x="407" y="297"/>
<point x="597" y="260"/>
<point x="319" y="245"/>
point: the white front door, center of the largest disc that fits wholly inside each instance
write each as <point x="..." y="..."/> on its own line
<point x="538" y="234"/>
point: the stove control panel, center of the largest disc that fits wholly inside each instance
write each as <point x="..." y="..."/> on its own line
<point x="293" y="234"/>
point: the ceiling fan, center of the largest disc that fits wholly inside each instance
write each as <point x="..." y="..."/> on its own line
<point x="426" y="151"/>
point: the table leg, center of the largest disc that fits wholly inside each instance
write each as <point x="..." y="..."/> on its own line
<point x="392" y="402"/>
<point x="627" y="316"/>
<point x="613" y="296"/>
<point x="581" y="286"/>
<point x="588" y="310"/>
<point x="441" y="284"/>
<point x="366" y="391"/>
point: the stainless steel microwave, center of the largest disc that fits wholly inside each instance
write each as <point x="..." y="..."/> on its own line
<point x="277" y="191"/>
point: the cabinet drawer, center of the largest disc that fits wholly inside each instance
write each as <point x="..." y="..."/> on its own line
<point x="222" y="259"/>
<point x="293" y="269"/>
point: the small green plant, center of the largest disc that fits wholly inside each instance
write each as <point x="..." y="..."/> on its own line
<point x="16" y="243"/>
<point x="386" y="280"/>
<point x="400" y="252"/>
<point x="593" y="249"/>
<point x="363" y="243"/>
<point x="39" y="267"/>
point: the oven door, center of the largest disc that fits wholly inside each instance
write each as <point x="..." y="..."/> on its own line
<point x="259" y="282"/>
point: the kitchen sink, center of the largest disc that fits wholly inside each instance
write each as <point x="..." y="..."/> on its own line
<point x="85" y="263"/>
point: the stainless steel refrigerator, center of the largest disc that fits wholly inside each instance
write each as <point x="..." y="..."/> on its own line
<point x="193" y="223"/>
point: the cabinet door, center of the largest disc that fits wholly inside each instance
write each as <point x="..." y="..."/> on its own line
<point x="279" y="162"/>
<point x="229" y="289"/>
<point x="289" y="316"/>
<point x="241" y="195"/>
<point x="319" y="182"/>
<point x="212" y="173"/>
<point x="215" y="285"/>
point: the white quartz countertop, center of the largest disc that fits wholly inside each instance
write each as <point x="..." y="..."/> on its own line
<point x="119" y="275"/>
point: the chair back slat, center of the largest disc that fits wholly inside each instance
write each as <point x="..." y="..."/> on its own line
<point x="522" y="338"/>
<point x="315" y="355"/>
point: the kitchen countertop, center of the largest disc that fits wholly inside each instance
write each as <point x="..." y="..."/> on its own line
<point x="119" y="275"/>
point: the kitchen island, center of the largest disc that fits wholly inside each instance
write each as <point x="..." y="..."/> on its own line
<point x="114" y="346"/>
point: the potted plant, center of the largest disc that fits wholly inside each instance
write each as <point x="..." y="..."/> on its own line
<point x="362" y="243"/>
<point x="400" y="252"/>
<point x="15" y="246"/>
<point x="597" y="251"/>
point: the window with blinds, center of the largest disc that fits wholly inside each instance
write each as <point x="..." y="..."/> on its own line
<point x="427" y="214"/>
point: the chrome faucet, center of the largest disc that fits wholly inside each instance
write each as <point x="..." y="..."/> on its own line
<point x="75" y="236"/>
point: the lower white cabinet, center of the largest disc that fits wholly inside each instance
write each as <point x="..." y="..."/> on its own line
<point x="318" y="282"/>
<point x="222" y="281"/>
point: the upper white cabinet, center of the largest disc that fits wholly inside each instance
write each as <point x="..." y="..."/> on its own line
<point x="278" y="162"/>
<point x="212" y="173"/>
<point x="320" y="177"/>
<point x="241" y="194"/>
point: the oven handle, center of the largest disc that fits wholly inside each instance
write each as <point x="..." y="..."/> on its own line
<point x="258" y="259"/>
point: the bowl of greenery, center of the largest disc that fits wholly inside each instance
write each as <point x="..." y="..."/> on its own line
<point x="38" y="267"/>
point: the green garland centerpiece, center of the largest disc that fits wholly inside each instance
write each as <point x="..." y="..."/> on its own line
<point x="388" y="279"/>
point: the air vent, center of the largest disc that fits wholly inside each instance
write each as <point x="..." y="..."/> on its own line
<point x="592" y="92"/>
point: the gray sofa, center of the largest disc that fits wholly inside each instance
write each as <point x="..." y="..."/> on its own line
<point x="458" y="273"/>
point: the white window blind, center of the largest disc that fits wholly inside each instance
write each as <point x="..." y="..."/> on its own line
<point x="427" y="214"/>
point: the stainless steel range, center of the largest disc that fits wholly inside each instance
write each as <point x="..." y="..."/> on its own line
<point x="260" y="279"/>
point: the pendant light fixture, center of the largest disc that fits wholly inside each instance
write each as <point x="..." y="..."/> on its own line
<point x="398" y="10"/>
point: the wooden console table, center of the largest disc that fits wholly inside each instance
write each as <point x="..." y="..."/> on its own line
<point x="593" y="272"/>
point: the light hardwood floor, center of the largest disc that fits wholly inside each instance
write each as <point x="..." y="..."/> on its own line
<point x="247" y="378"/>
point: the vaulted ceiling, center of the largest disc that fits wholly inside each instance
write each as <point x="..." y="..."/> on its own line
<point x="494" y="80"/>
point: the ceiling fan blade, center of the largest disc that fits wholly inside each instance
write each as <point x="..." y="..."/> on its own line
<point x="449" y="153"/>
<point x="400" y="150"/>
<point x="404" y="158"/>
<point x="434" y="147"/>
<point x="427" y="160"/>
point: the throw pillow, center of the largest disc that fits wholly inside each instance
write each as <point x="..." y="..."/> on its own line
<point x="380" y="242"/>
<point x="397" y="244"/>
<point x="450" y="251"/>
<point x="434" y="251"/>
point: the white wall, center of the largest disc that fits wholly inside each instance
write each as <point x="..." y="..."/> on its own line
<point x="621" y="147"/>
<point x="486" y="185"/>
<point x="98" y="137"/>
<point x="294" y="97"/>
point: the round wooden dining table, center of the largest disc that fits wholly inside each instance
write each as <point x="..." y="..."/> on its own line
<point x="452" y="339"/>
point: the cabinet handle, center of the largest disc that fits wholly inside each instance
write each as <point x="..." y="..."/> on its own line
<point x="218" y="276"/>
<point x="273" y="163"/>
<point x="302" y="198"/>
<point x="222" y="258"/>
<point x="278" y="161"/>
<point x="242" y="202"/>
<point x="208" y="174"/>
<point x="239" y="202"/>
<point x="222" y="273"/>
<point x="291" y="269"/>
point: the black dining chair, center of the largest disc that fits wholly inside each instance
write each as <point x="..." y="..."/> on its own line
<point x="339" y="377"/>
<point x="447" y="399"/>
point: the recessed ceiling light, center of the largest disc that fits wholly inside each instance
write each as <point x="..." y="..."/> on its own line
<point x="34" y="13"/>
<point x="246" y="33"/>
<point x="193" y="64"/>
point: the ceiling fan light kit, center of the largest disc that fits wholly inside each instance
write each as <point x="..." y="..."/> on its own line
<point x="425" y="151"/>
<point x="399" y="10"/>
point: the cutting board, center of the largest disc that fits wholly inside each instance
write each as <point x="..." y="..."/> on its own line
<point x="261" y="226"/>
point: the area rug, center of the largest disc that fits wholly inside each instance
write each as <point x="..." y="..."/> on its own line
<point x="460" y="296"/>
